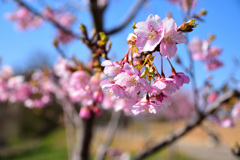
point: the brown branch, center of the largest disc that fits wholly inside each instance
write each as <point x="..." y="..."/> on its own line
<point x="51" y="21"/>
<point x="86" y="137"/>
<point x="97" y="15"/>
<point x="193" y="79"/>
<point x="111" y="131"/>
<point x="69" y="129"/>
<point x="128" y="19"/>
<point x="171" y="138"/>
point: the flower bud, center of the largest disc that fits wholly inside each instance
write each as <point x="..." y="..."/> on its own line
<point x="82" y="28"/>
<point x="98" y="96"/>
<point x="96" y="110"/>
<point x="103" y="39"/>
<point x="134" y="25"/>
<point x="203" y="12"/>
<point x="85" y="113"/>
<point x="187" y="26"/>
<point x="140" y="62"/>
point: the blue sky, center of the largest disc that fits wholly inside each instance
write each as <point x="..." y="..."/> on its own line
<point x="21" y="48"/>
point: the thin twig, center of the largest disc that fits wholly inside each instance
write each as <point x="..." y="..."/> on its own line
<point x="171" y="138"/>
<point x="193" y="79"/>
<point x="128" y="19"/>
<point x="111" y="131"/>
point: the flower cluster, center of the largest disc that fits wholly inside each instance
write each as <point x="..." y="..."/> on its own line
<point x="201" y="50"/>
<point x="226" y="115"/>
<point x="24" y="18"/>
<point x="80" y="86"/>
<point x="13" y="88"/>
<point x="65" y="19"/>
<point x="155" y="31"/>
<point x="132" y="80"/>
<point x="42" y="86"/>
<point x="34" y="92"/>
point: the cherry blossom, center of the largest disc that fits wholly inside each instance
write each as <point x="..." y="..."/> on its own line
<point x="165" y="85"/>
<point x="111" y="68"/>
<point x="201" y="50"/>
<point x="24" y="18"/>
<point x="18" y="89"/>
<point x="149" y="33"/>
<point x="113" y="89"/>
<point x="168" y="47"/>
<point x="180" y="78"/>
<point x="130" y="79"/>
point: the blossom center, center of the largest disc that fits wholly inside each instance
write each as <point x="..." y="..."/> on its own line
<point x="111" y="93"/>
<point x="133" y="82"/>
<point x="153" y="34"/>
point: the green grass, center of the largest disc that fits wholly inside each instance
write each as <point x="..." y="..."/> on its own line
<point x="53" y="147"/>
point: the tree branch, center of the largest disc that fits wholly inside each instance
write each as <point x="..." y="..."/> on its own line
<point x="51" y="21"/>
<point x="171" y="138"/>
<point x="128" y="18"/>
<point x="97" y="15"/>
<point x="86" y="137"/>
<point x="111" y="131"/>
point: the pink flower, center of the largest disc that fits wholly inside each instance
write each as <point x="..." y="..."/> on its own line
<point x="82" y="95"/>
<point x="226" y="123"/>
<point x="131" y="81"/>
<point x="48" y="13"/>
<point x="38" y="102"/>
<point x="180" y="78"/>
<point x="96" y="110"/>
<point x="111" y="68"/>
<point x="19" y="90"/>
<point x="214" y="52"/>
<point x="108" y="102"/>
<point x="98" y="96"/>
<point x="168" y="47"/>
<point x="131" y="39"/>
<point x="164" y="85"/>
<point x="66" y="19"/>
<point x="79" y="80"/>
<point x="24" y="19"/>
<point x="85" y="113"/>
<point x="125" y="104"/>
<point x="212" y="97"/>
<point x="113" y="89"/>
<point x="6" y="72"/>
<point x="64" y="37"/>
<point x="94" y="82"/>
<point x="149" y="33"/>
<point x="199" y="49"/>
<point x="213" y="64"/>
<point x="62" y="66"/>
<point x="146" y="106"/>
